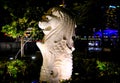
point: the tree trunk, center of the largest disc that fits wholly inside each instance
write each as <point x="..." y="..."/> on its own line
<point x="22" y="46"/>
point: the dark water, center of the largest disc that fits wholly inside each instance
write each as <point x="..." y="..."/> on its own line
<point x="19" y="81"/>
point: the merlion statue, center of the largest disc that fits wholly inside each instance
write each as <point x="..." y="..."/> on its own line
<point x="57" y="45"/>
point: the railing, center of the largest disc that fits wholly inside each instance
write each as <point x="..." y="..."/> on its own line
<point x="14" y="47"/>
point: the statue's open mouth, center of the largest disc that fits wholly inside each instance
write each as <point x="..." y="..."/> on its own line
<point x="47" y="28"/>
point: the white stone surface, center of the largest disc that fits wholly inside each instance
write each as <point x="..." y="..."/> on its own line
<point x="56" y="46"/>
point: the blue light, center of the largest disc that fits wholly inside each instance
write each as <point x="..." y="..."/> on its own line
<point x="111" y="6"/>
<point x="35" y="81"/>
<point x="107" y="32"/>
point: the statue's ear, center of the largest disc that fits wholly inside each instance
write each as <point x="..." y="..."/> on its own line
<point x="57" y="14"/>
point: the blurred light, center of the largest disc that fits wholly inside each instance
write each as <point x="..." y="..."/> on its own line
<point x="118" y="6"/>
<point x="35" y="81"/>
<point x="111" y="6"/>
<point x="76" y="73"/>
<point x="107" y="33"/>
<point x="90" y="44"/>
<point x="91" y="48"/>
<point x="93" y="43"/>
<point x="98" y="49"/>
<point x="96" y="43"/>
<point x="33" y="57"/>
<point x="85" y="36"/>
<point x="95" y="49"/>
<point x="11" y="58"/>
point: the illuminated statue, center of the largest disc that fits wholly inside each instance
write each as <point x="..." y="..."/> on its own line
<point x="57" y="45"/>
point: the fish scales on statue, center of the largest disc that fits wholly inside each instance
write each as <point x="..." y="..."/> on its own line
<point x="57" y="46"/>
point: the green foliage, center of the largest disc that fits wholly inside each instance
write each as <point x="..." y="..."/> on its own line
<point x="16" y="66"/>
<point x="22" y="17"/>
<point x="93" y="68"/>
<point x="107" y="68"/>
<point x="15" y="28"/>
<point x="19" y="27"/>
<point x="24" y="14"/>
<point x="37" y="34"/>
<point x="101" y="65"/>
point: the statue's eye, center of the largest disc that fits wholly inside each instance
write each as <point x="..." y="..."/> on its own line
<point x="48" y="17"/>
<point x="45" y="18"/>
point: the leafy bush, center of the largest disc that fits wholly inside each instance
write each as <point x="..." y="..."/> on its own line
<point x="16" y="66"/>
<point x="107" y="68"/>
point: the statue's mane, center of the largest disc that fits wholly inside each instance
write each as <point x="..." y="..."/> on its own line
<point x="65" y="29"/>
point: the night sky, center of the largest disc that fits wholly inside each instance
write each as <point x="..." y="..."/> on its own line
<point x="5" y="17"/>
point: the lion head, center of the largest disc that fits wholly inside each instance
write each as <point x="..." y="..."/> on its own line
<point x="57" y="24"/>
